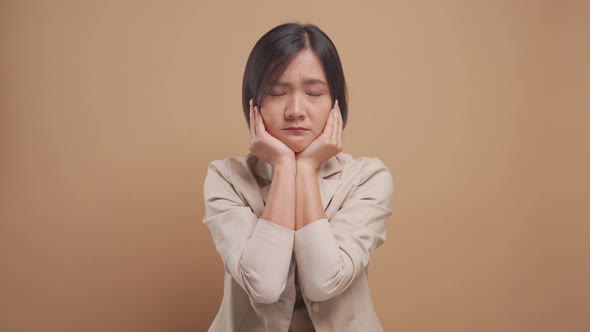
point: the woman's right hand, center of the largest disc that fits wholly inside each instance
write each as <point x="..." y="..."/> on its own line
<point x="265" y="146"/>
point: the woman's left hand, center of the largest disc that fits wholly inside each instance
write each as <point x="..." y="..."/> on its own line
<point x="325" y="146"/>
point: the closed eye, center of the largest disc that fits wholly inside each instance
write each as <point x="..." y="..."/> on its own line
<point x="315" y="94"/>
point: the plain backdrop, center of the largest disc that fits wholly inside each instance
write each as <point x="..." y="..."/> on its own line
<point x="111" y="112"/>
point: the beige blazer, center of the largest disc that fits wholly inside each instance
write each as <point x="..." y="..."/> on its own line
<point x="331" y="255"/>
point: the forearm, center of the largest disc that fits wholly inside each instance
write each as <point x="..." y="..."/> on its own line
<point x="280" y="202"/>
<point x="325" y="270"/>
<point x="267" y="255"/>
<point x="322" y="269"/>
<point x="308" y="203"/>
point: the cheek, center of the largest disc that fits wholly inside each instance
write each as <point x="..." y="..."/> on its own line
<point x="322" y="107"/>
<point x="269" y="108"/>
<point x="321" y="120"/>
<point x="269" y="119"/>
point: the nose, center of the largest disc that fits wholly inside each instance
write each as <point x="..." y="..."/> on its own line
<point x="295" y="108"/>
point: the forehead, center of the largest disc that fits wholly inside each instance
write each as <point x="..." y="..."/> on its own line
<point x="304" y="68"/>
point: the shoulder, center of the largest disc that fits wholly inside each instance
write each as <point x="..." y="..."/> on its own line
<point x="229" y="180"/>
<point x="369" y="175"/>
<point x="364" y="167"/>
<point x="231" y="167"/>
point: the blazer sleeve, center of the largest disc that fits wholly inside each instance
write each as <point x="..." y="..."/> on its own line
<point x="330" y="255"/>
<point x="256" y="252"/>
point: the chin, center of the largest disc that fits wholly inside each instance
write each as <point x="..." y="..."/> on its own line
<point x="298" y="146"/>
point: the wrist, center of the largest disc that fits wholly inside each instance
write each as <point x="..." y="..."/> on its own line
<point x="284" y="164"/>
<point x="307" y="166"/>
<point x="282" y="160"/>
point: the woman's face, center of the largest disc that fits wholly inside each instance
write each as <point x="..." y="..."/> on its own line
<point x="300" y="98"/>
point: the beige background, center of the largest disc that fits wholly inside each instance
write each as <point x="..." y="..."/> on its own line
<point x="112" y="110"/>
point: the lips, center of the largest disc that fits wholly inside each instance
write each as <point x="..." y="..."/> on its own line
<point x="297" y="131"/>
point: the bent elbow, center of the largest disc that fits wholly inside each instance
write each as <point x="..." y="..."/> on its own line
<point x="319" y="294"/>
<point x="265" y="294"/>
<point x="264" y="290"/>
<point x="323" y="291"/>
<point x="324" y="283"/>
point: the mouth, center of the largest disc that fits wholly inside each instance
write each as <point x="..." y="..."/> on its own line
<point x="296" y="128"/>
<point x="297" y="131"/>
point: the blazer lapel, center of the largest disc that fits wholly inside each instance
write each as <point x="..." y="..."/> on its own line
<point x="263" y="171"/>
<point x="327" y="189"/>
<point x="327" y="181"/>
<point x="244" y="182"/>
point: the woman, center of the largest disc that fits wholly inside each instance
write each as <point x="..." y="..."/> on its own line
<point x="296" y="220"/>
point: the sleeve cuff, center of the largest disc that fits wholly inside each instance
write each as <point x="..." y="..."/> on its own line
<point x="273" y="233"/>
<point x="313" y="233"/>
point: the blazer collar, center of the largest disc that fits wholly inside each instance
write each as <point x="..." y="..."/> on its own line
<point x="328" y="183"/>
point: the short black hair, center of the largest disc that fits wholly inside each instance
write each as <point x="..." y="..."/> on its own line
<point x="276" y="49"/>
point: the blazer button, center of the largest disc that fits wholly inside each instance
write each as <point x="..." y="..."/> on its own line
<point x="315" y="307"/>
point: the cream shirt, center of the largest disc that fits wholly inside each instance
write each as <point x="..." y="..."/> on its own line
<point x="331" y="255"/>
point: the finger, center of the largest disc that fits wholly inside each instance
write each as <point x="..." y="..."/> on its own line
<point x="340" y="127"/>
<point x="252" y="122"/>
<point x="335" y="123"/>
<point x="328" y="127"/>
<point x="259" y="123"/>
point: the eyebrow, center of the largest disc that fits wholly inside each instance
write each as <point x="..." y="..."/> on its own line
<point x="307" y="81"/>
